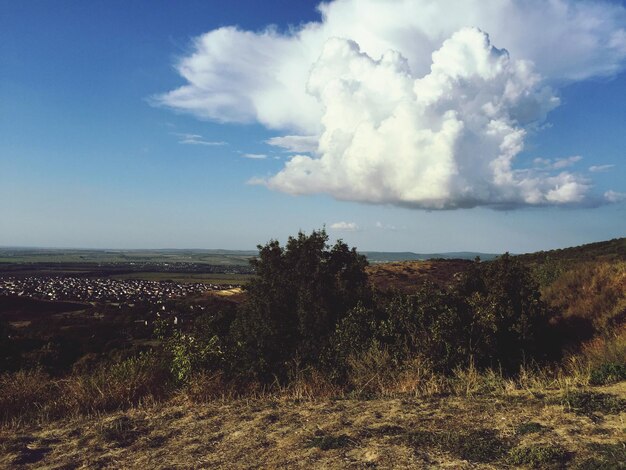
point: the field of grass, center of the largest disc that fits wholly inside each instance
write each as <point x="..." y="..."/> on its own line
<point x="41" y="255"/>
<point x="206" y="278"/>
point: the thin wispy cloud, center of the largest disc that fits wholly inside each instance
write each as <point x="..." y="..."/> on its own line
<point x="600" y="168"/>
<point x="556" y="164"/>
<point x="254" y="156"/>
<point x="295" y="143"/>
<point x="196" y="139"/>
<point x="381" y="226"/>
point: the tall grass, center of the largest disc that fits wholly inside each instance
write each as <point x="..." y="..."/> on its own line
<point x="32" y="395"/>
<point x="594" y="291"/>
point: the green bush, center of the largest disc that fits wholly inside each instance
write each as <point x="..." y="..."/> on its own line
<point x="506" y="318"/>
<point x="607" y="373"/>
<point x="189" y="353"/>
<point x="299" y="294"/>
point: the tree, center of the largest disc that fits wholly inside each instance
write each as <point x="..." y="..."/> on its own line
<point x="505" y="315"/>
<point x="299" y="294"/>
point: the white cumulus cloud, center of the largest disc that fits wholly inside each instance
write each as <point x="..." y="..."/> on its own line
<point x="407" y="102"/>
<point x="442" y="141"/>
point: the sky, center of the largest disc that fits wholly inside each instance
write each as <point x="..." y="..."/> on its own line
<point x="404" y="125"/>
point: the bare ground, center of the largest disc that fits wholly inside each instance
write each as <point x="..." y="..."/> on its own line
<point x="405" y="432"/>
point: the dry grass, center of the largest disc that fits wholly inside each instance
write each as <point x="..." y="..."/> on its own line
<point x="592" y="290"/>
<point x="480" y="431"/>
<point x="33" y="396"/>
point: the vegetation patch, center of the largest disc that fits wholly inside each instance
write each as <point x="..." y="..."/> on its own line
<point x="607" y="373"/>
<point x="478" y="445"/>
<point x="588" y="403"/>
<point x="325" y="441"/>
<point x="382" y="431"/>
<point x="529" y="427"/>
<point x="605" y="457"/>
<point x="538" y="456"/>
<point x="122" y="431"/>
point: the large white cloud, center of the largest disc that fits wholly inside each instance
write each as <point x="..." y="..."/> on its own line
<point x="411" y="106"/>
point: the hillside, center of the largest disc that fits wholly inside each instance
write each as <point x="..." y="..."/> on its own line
<point x="400" y="382"/>
<point x="406" y="276"/>
<point x="611" y="250"/>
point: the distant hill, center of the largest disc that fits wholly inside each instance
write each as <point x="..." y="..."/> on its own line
<point x="611" y="250"/>
<point x="391" y="256"/>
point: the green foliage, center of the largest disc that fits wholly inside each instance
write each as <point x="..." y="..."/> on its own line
<point x="190" y="353"/>
<point x="548" y="271"/>
<point x="477" y="445"/>
<point x="605" y="457"/>
<point x="493" y="318"/>
<point x="294" y="303"/>
<point x="537" y="456"/>
<point x="327" y="441"/>
<point x="608" y="373"/>
<point x="528" y="428"/>
<point x="505" y="312"/>
<point x="588" y="403"/>
<point x="428" y="324"/>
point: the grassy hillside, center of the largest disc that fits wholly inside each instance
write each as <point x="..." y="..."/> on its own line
<point x="390" y="404"/>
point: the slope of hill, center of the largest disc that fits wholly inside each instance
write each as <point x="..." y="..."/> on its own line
<point x="406" y="276"/>
<point x="391" y="256"/>
<point x="611" y="250"/>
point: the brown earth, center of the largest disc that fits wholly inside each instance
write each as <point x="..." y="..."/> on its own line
<point x="407" y="276"/>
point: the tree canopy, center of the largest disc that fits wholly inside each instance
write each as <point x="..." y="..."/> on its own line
<point x="299" y="294"/>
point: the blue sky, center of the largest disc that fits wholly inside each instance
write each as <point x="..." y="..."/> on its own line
<point x="95" y="153"/>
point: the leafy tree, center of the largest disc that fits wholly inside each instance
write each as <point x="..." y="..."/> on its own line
<point x="299" y="294"/>
<point x="504" y="314"/>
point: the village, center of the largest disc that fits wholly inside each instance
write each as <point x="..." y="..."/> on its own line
<point x="103" y="289"/>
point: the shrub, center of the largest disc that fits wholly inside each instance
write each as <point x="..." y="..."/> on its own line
<point x="587" y="403"/>
<point x="607" y="373"/>
<point x="189" y="353"/>
<point x="24" y="393"/>
<point x="294" y="303"/>
<point x="426" y="324"/>
<point x="505" y="315"/>
<point x="113" y="387"/>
